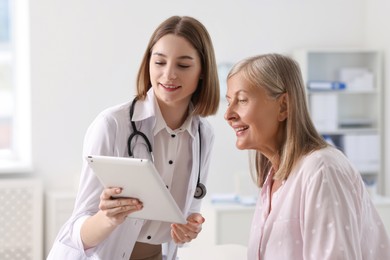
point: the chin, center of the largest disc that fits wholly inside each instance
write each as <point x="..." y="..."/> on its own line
<point x="242" y="146"/>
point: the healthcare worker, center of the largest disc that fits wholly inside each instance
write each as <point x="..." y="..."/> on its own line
<point x="177" y="86"/>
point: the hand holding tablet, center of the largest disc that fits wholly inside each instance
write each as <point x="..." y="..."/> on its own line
<point x="138" y="179"/>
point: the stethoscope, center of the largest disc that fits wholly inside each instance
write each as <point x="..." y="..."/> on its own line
<point x="200" y="191"/>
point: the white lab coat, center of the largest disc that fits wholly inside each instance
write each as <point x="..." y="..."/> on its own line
<point x="108" y="135"/>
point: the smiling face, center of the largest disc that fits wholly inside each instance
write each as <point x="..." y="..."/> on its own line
<point x="255" y="117"/>
<point x="175" y="69"/>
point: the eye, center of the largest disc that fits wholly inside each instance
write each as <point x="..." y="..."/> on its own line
<point x="160" y="63"/>
<point x="242" y="101"/>
<point x="184" y="66"/>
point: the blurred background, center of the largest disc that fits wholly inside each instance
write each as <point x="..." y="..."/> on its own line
<point x="62" y="62"/>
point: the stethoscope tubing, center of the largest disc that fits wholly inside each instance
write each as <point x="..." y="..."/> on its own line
<point x="200" y="191"/>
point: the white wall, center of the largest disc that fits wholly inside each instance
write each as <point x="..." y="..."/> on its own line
<point x="85" y="56"/>
<point x="378" y="36"/>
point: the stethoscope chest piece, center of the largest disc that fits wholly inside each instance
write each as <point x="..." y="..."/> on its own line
<point x="200" y="191"/>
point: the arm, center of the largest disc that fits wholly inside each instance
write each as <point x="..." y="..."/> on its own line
<point x="99" y="215"/>
<point x="330" y="228"/>
<point x="112" y="213"/>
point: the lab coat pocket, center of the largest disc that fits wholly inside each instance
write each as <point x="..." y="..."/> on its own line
<point x="285" y="240"/>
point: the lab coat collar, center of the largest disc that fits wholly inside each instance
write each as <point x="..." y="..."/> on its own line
<point x="149" y="108"/>
<point x="145" y="108"/>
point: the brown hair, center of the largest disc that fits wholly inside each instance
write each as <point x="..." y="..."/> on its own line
<point x="279" y="74"/>
<point x="206" y="97"/>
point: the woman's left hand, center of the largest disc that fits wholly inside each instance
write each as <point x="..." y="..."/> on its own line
<point x="184" y="233"/>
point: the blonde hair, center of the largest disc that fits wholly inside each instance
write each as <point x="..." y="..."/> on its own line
<point x="206" y="97"/>
<point x="279" y="74"/>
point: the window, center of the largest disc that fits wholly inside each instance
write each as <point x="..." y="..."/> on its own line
<point x="5" y="77"/>
<point x="15" y="134"/>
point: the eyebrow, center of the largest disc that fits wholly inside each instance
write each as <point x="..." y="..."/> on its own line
<point x="237" y="93"/>
<point x="184" y="57"/>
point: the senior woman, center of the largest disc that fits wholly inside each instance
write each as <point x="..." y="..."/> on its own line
<point x="312" y="203"/>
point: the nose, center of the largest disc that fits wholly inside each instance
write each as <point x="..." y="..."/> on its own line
<point x="170" y="73"/>
<point x="230" y="114"/>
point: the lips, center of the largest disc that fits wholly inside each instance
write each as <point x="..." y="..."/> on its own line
<point x="169" y="86"/>
<point x="240" y="129"/>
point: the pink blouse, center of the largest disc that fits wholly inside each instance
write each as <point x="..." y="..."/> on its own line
<point x="322" y="211"/>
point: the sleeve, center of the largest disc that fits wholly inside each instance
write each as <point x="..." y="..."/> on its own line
<point x="99" y="140"/>
<point x="331" y="210"/>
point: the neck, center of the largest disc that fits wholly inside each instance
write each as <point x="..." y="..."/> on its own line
<point x="174" y="116"/>
<point x="273" y="157"/>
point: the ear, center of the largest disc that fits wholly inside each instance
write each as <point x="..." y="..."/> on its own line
<point x="283" y="107"/>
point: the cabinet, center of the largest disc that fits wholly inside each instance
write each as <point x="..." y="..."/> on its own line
<point x="230" y="223"/>
<point x="345" y="96"/>
<point x="226" y="223"/>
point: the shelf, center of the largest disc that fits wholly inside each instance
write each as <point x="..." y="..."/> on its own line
<point x="342" y="92"/>
<point x="344" y="131"/>
<point x="352" y="117"/>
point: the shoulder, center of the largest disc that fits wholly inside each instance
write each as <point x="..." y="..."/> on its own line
<point x="323" y="156"/>
<point x="117" y="112"/>
<point x="328" y="163"/>
<point x="110" y="120"/>
<point x="113" y="116"/>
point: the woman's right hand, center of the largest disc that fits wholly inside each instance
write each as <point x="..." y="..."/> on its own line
<point x="117" y="208"/>
<point x="113" y="212"/>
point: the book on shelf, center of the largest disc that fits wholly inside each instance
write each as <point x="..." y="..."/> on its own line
<point x="324" y="111"/>
<point x="326" y="85"/>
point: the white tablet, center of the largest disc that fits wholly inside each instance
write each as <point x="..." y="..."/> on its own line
<point x="139" y="179"/>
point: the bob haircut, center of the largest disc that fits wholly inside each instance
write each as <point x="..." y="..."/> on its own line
<point x="206" y="97"/>
<point x="279" y="74"/>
